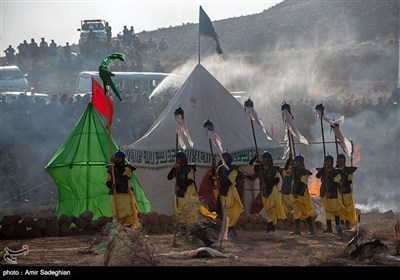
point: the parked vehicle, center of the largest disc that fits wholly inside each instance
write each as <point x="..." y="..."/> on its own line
<point x="132" y="83"/>
<point x="12" y="79"/>
<point x="97" y="26"/>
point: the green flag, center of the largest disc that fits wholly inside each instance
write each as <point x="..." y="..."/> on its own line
<point x="106" y="74"/>
<point x="207" y="29"/>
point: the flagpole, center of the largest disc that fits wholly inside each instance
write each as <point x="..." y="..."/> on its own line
<point x="321" y="108"/>
<point x="111" y="156"/>
<point x="199" y="33"/>
<point x="105" y="76"/>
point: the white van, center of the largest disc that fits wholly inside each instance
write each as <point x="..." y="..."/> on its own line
<point x="12" y="79"/>
<point x="132" y="82"/>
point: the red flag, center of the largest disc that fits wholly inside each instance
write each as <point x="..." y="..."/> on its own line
<point x="102" y="102"/>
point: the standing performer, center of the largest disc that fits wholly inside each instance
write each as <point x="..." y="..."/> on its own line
<point x="229" y="195"/>
<point x="287" y="178"/>
<point x="124" y="206"/>
<point x="329" y="193"/>
<point x="185" y="187"/>
<point x="348" y="213"/>
<point x="268" y="176"/>
<point x="303" y="209"/>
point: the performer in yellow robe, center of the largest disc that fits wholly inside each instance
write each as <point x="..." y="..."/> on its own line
<point x="268" y="176"/>
<point x="229" y="195"/>
<point x="329" y="193"/>
<point x="185" y="188"/>
<point x="348" y="213"/>
<point x="303" y="209"/>
<point x="123" y="202"/>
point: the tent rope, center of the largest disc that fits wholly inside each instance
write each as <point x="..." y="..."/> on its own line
<point x="25" y="192"/>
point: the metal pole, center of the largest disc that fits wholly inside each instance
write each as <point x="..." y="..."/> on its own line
<point x="111" y="158"/>
<point x="323" y="136"/>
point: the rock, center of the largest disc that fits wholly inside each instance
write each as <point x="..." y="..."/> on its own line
<point x="143" y="217"/>
<point x="28" y="221"/>
<point x="52" y="228"/>
<point x="87" y="215"/>
<point x="164" y="228"/>
<point x="41" y="224"/>
<point x="318" y="225"/>
<point x="8" y="231"/>
<point x="93" y="225"/>
<point x="103" y="220"/>
<point x="64" y="219"/>
<point x="165" y="219"/>
<point x="252" y="218"/>
<point x="259" y="227"/>
<point x="171" y="228"/>
<point x="280" y="225"/>
<point x="35" y="233"/>
<point x="79" y="222"/>
<point x="21" y="230"/>
<point x="242" y="221"/>
<point x="248" y="227"/>
<point x="65" y="230"/>
<point x="155" y="229"/>
<point x="10" y="219"/>
<point x="153" y="218"/>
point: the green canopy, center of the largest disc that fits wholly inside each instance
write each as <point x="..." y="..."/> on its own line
<point x="79" y="170"/>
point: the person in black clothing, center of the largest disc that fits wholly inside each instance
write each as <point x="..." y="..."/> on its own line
<point x="330" y="181"/>
<point x="303" y="209"/>
<point x="348" y="213"/>
<point x="286" y="190"/>
<point x="185" y="188"/>
<point x="123" y="202"/>
<point x="228" y="175"/>
<point x="268" y="176"/>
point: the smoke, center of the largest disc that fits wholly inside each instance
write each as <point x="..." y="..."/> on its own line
<point x="371" y="118"/>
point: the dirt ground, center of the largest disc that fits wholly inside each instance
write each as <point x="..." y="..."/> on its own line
<point x="248" y="248"/>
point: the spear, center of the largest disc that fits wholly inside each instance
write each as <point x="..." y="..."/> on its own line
<point x="209" y="126"/>
<point x="248" y="105"/>
<point x="213" y="197"/>
<point x="292" y="150"/>
<point x="321" y="108"/>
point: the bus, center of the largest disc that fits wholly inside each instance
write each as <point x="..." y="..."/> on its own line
<point x="132" y="83"/>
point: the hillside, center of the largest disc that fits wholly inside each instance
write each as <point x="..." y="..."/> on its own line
<point x="344" y="35"/>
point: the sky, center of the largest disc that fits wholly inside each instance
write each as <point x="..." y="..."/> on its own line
<point x="59" y="20"/>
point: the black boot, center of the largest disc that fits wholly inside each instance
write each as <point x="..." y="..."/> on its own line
<point x="328" y="227"/>
<point x="231" y="232"/>
<point x="297" y="228"/>
<point x="310" y="224"/>
<point x="347" y="225"/>
<point x="339" y="227"/>
<point x="270" y="227"/>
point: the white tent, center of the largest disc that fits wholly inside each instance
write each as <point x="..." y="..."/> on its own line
<point x="201" y="97"/>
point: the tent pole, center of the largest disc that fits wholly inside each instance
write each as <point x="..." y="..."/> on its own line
<point x="111" y="158"/>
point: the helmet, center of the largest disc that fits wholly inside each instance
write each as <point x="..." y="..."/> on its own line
<point x="341" y="156"/>
<point x="266" y="154"/>
<point x="181" y="154"/>
<point x="329" y="157"/>
<point x="226" y="154"/>
<point x="299" y="158"/>
<point x="119" y="154"/>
